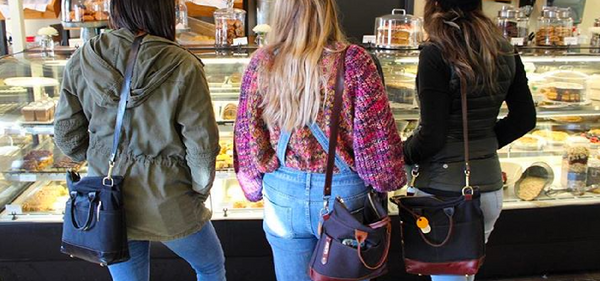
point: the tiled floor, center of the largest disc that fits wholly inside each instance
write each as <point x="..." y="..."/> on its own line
<point x="558" y="277"/>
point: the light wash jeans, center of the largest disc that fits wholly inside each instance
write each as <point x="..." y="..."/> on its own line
<point x="293" y="203"/>
<point x="202" y="250"/>
<point x="491" y="206"/>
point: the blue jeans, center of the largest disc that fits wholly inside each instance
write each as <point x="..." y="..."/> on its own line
<point x="202" y="250"/>
<point x="293" y="205"/>
<point x="491" y="206"/>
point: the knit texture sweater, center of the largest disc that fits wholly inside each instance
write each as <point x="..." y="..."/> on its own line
<point x="368" y="139"/>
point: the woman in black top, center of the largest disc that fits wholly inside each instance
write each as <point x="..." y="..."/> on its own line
<point x="466" y="52"/>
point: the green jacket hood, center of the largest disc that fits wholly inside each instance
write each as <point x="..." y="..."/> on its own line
<point x="103" y="66"/>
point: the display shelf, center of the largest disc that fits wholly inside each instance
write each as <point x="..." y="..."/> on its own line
<point x="225" y="175"/>
<point x="543" y="202"/>
<point x="45" y="128"/>
<point x="9" y="193"/>
<point x="583" y="111"/>
<point x="37" y="176"/>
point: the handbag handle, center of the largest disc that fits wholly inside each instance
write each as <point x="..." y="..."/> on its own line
<point x="334" y="126"/>
<point x="465" y="125"/>
<point x="124" y="98"/>
<point x="450" y="226"/>
<point x="90" y="216"/>
<point x="361" y="236"/>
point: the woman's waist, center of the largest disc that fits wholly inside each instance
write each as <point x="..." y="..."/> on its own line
<point x="294" y="183"/>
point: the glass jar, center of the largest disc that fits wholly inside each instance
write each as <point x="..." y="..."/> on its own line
<point x="398" y="30"/>
<point x="77" y="11"/>
<point x="181" y="17"/>
<point x="230" y="23"/>
<point x="575" y="164"/>
<point x="553" y="27"/>
<point x="514" y="25"/>
<point x="264" y="11"/>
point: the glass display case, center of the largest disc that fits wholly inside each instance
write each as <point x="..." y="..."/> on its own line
<point x="32" y="186"/>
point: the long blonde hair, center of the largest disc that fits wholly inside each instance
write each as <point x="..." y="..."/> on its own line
<point x="290" y="81"/>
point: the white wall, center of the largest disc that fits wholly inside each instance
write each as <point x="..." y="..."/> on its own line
<point x="32" y="26"/>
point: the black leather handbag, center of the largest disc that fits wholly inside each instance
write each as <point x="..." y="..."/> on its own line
<point x="352" y="245"/>
<point x="443" y="235"/>
<point x="94" y="226"/>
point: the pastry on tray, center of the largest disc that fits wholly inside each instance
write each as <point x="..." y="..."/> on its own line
<point x="43" y="158"/>
<point x="593" y="135"/>
<point x="556" y="137"/>
<point x="229" y="112"/>
<point x="529" y="142"/>
<point x="44" y="199"/>
<point x="568" y="119"/>
<point x="225" y="157"/>
<point x="67" y="163"/>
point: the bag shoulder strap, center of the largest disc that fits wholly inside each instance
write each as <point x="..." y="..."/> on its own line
<point x="124" y="98"/>
<point x="465" y="125"/>
<point x="335" y="123"/>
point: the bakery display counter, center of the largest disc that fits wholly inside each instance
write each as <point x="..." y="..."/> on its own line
<point x="563" y="82"/>
<point x="10" y="190"/>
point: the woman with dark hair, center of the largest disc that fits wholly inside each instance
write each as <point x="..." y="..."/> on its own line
<point x="170" y="137"/>
<point x="466" y="53"/>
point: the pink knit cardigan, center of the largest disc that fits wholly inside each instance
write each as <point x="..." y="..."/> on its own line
<point x="368" y="140"/>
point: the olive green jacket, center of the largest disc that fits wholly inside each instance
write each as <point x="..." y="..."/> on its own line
<point x="170" y="138"/>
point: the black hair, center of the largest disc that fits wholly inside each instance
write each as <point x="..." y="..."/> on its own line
<point x="155" y="17"/>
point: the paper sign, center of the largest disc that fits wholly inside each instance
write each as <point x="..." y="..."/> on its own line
<point x="571" y="41"/>
<point x="14" y="209"/>
<point x="519" y="41"/>
<point x="213" y="3"/>
<point x="240" y="41"/>
<point x="368" y="39"/>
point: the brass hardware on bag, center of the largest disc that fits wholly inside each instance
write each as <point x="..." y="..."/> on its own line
<point x="108" y="180"/>
<point x="467" y="177"/>
<point x="98" y="211"/>
<point x="467" y="190"/>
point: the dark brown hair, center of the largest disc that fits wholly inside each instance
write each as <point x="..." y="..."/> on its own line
<point x="155" y="17"/>
<point x="469" y="41"/>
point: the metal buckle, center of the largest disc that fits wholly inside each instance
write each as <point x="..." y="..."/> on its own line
<point x="325" y="209"/>
<point x="108" y="180"/>
<point x="468" y="190"/>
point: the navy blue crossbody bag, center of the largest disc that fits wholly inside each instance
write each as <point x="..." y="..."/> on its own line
<point x="94" y="226"/>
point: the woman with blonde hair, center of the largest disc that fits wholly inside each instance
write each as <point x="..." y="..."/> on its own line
<point x="282" y="129"/>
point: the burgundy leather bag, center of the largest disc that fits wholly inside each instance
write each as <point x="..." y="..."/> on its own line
<point x="443" y="235"/>
<point x="352" y="246"/>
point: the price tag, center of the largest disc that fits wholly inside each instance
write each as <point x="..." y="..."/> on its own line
<point x="519" y="41"/>
<point x="14" y="209"/>
<point x="571" y="41"/>
<point x="240" y="41"/>
<point x="369" y="39"/>
<point x="28" y="178"/>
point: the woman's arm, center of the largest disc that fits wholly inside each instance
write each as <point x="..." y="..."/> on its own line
<point x="433" y="82"/>
<point x="70" y="123"/>
<point x="251" y="136"/>
<point x="199" y="130"/>
<point x="377" y="146"/>
<point x="521" y="116"/>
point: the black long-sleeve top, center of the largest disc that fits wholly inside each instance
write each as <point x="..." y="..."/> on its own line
<point x="435" y="96"/>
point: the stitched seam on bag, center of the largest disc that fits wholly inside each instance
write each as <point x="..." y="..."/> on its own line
<point x="83" y="247"/>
